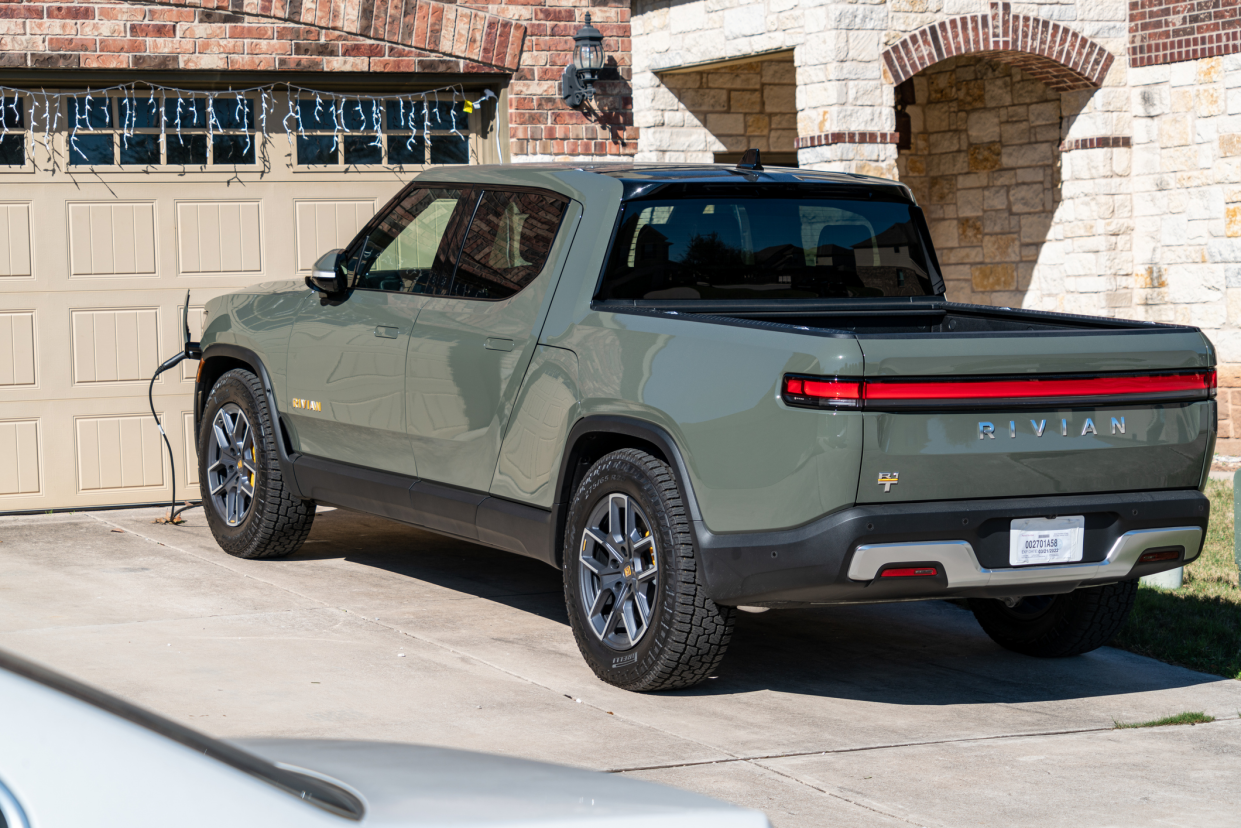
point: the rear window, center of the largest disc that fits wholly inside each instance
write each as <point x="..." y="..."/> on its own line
<point x="507" y="244"/>
<point x="766" y="248"/>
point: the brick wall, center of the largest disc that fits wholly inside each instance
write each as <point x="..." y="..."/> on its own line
<point x="1169" y="31"/>
<point x="418" y="36"/>
<point x="541" y="125"/>
<point x="533" y="41"/>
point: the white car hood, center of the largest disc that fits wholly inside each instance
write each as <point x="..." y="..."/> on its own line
<point x="407" y="785"/>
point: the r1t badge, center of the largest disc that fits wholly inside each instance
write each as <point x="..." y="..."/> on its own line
<point x="888" y="480"/>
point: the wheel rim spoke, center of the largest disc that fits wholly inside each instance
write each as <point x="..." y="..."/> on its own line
<point x="644" y="607"/>
<point x="590" y="563"/>
<point x="631" y="623"/>
<point x="617" y="613"/>
<point x="601" y="600"/>
<point x="615" y="519"/>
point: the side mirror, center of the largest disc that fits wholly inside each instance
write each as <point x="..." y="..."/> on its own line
<point x="325" y="274"/>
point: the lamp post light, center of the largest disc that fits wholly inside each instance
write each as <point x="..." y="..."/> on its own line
<point x="577" y="84"/>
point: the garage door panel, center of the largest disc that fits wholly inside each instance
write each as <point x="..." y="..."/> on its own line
<point x="15" y="241"/>
<point x="107" y="239"/>
<point x="20" y="469"/>
<point x="324" y="225"/>
<point x="219" y="237"/>
<point x="17" y="359"/>
<point x="123" y="452"/>
<point x="115" y="345"/>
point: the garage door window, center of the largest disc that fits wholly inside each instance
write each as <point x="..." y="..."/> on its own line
<point x="366" y="132"/>
<point x="129" y="131"/>
<point x="12" y="146"/>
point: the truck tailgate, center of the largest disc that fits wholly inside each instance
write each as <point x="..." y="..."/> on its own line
<point x="1108" y="411"/>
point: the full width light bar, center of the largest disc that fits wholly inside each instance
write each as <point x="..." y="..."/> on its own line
<point x="820" y="392"/>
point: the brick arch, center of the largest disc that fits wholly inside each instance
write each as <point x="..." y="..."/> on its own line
<point x="1047" y="51"/>
<point x="426" y="25"/>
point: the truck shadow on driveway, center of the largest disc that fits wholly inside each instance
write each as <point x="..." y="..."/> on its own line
<point x="920" y="653"/>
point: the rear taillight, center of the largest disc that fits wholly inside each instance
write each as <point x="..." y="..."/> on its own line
<point x="822" y="392"/>
<point x="880" y="394"/>
<point x="910" y="572"/>
<point x="1013" y="389"/>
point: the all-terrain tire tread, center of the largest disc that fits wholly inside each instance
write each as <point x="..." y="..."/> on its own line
<point x="698" y="633"/>
<point x="281" y="522"/>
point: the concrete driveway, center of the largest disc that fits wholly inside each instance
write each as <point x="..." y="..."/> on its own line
<point x="861" y="716"/>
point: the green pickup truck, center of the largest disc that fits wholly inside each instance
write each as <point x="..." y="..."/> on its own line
<point x="694" y="389"/>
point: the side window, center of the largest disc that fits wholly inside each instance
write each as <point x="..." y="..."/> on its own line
<point x="411" y="249"/>
<point x="507" y="243"/>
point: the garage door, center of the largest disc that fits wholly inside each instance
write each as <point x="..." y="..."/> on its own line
<point x="109" y="213"/>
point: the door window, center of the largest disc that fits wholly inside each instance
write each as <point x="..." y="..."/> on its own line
<point x="507" y="244"/>
<point x="411" y="249"/>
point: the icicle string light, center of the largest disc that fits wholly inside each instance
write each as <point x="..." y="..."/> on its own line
<point x="96" y="105"/>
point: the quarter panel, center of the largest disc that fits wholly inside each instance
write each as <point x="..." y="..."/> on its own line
<point x="754" y="463"/>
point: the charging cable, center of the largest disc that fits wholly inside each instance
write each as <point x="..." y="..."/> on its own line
<point x="191" y="350"/>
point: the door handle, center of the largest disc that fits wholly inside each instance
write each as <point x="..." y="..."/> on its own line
<point x="494" y="344"/>
<point x="386" y="332"/>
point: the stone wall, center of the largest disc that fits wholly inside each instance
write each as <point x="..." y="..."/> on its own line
<point x="726" y="110"/>
<point x="983" y="165"/>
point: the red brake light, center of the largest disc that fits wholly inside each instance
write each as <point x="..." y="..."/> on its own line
<point x="1155" y="557"/>
<point x="1035" y="387"/>
<point x="829" y="392"/>
<point x="833" y="392"/>
<point x="910" y="572"/>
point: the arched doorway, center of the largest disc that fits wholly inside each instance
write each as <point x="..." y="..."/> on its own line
<point x="982" y="102"/>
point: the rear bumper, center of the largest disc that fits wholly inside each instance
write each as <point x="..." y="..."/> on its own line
<point x="838" y="558"/>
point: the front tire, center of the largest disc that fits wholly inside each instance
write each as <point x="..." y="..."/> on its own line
<point x="633" y="586"/>
<point x="1055" y="626"/>
<point x="250" y="511"/>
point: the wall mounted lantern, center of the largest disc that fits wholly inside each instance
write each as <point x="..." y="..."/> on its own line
<point x="577" y="84"/>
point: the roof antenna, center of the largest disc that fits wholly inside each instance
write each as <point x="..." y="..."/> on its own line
<point x="751" y="161"/>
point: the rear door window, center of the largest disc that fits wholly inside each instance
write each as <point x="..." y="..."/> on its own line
<point x="414" y="248"/>
<point x="507" y="244"/>
<point x="766" y="248"/>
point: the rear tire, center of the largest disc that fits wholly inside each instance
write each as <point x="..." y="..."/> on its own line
<point x="1054" y="626"/>
<point x="633" y="585"/>
<point x="250" y="511"/>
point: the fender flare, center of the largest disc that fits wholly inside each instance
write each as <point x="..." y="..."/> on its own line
<point x="252" y="359"/>
<point x="626" y="426"/>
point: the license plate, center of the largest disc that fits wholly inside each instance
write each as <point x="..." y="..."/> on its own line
<point x="1046" y="540"/>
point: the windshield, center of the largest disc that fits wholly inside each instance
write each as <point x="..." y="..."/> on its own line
<point x="766" y="248"/>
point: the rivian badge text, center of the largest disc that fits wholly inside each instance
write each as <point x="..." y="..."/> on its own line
<point x="888" y="480"/>
<point x="310" y="405"/>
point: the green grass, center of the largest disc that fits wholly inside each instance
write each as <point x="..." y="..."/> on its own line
<point x="1199" y="625"/>
<point x="1178" y="719"/>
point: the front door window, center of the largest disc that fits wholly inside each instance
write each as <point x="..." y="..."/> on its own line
<point x="410" y="250"/>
